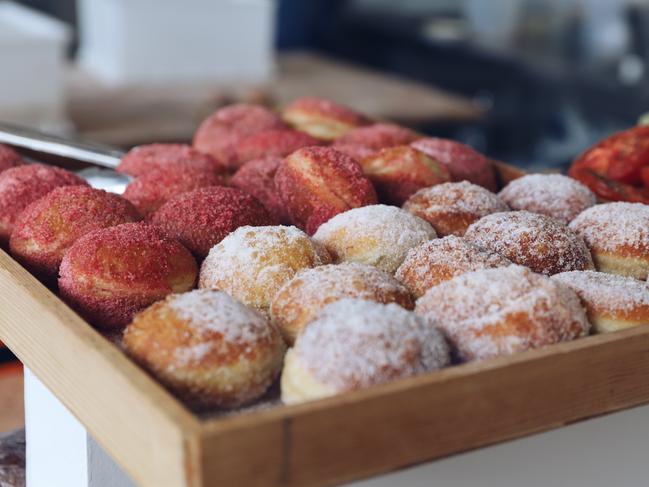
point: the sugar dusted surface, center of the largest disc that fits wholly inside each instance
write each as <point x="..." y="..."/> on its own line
<point x="354" y="344"/>
<point x="378" y="136"/>
<point x="170" y="157"/>
<point x="322" y="107"/>
<point x="9" y="158"/>
<point x="554" y="195"/>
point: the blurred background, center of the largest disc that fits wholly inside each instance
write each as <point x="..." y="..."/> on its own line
<point x="531" y="82"/>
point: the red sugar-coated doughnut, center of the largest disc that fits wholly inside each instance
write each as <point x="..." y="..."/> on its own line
<point x="202" y="218"/>
<point x="108" y="275"/>
<point x="257" y="178"/>
<point x="322" y="118"/>
<point x="145" y="158"/>
<point x="153" y="189"/>
<point x="317" y="183"/>
<point x="463" y="162"/>
<point x="378" y="136"/>
<point x="221" y="132"/>
<point x="278" y="143"/>
<point x="22" y="185"/>
<point x="50" y="225"/>
<point x="355" y="151"/>
<point x="9" y="158"/>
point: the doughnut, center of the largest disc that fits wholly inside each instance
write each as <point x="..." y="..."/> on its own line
<point x="612" y="302"/>
<point x="378" y="136"/>
<point x="201" y="218"/>
<point x="221" y="132"/>
<point x="355" y="151"/>
<point x="316" y="183"/>
<point x="321" y="118"/>
<point x="108" y="275"/>
<point x="553" y="195"/>
<point x="207" y="348"/>
<point x="154" y="188"/>
<point x="353" y="344"/>
<point x="377" y="235"/>
<point x="257" y="178"/>
<point x="50" y="225"/>
<point x="441" y="259"/>
<point x="22" y="185"/>
<point x="451" y="207"/>
<point x="252" y="263"/>
<point x="535" y="241"/>
<point x="398" y="172"/>
<point x="502" y="311"/>
<point x="299" y="300"/>
<point x="271" y="143"/>
<point x="9" y="158"/>
<point x="170" y="157"/>
<point x="618" y="237"/>
<point x="463" y="162"/>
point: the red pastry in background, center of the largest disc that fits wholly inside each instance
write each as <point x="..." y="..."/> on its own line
<point x="50" y="225"/>
<point x="278" y="143"/>
<point x="221" y="132"/>
<point x="399" y="172"/>
<point x="463" y="162"/>
<point x="617" y="168"/>
<point x="153" y="189"/>
<point x="202" y="218"/>
<point x="257" y="178"/>
<point x="9" y="158"/>
<point x="143" y="159"/>
<point x="110" y="274"/>
<point x="22" y="185"/>
<point x="317" y="183"/>
<point x="377" y="136"/>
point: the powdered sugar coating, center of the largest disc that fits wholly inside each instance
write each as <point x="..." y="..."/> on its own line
<point x="553" y="195"/>
<point x="441" y="259"/>
<point x="536" y="241"/>
<point x="451" y="207"/>
<point x="354" y="344"/>
<point x="378" y="235"/>
<point x="502" y="311"/>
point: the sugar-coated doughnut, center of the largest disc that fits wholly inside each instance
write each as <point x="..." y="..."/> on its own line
<point x="50" y="225"/>
<point x="463" y="162"/>
<point x="398" y="172"/>
<point x="22" y="185"/>
<point x="618" y="237"/>
<point x="207" y="348"/>
<point x="257" y="178"/>
<point x="377" y="235"/>
<point x="378" y="136"/>
<point x="554" y="195"/>
<point x="451" y="207"/>
<point x="612" y="302"/>
<point x="201" y="218"/>
<point x="108" y="275"/>
<point x="153" y="189"/>
<point x="502" y="311"/>
<point x="441" y="259"/>
<point x="316" y="183"/>
<point x="301" y="298"/>
<point x="535" y="241"/>
<point x="220" y="133"/>
<point x="142" y="159"/>
<point x="9" y="158"/>
<point x="322" y="118"/>
<point x="252" y="263"/>
<point x="271" y="143"/>
<point x="353" y="344"/>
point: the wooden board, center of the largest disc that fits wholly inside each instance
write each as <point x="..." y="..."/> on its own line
<point x="162" y="444"/>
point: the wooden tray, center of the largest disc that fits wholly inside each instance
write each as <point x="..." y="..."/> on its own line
<point x="162" y="444"/>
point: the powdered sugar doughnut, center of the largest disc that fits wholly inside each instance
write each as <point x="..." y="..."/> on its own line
<point x="441" y="259"/>
<point x="612" y="302"/>
<point x="502" y="311"/>
<point x="377" y="235"/>
<point x="353" y="344"/>
<point x="301" y="298"/>
<point x="207" y="348"/>
<point x="618" y="237"/>
<point x="252" y="263"/>
<point x="451" y="207"/>
<point x="536" y="241"/>
<point x="553" y="195"/>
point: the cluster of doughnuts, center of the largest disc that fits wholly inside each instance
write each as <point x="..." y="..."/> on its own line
<point x="330" y="251"/>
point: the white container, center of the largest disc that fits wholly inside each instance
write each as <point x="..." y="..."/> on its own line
<point x="32" y="61"/>
<point x="144" y="41"/>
